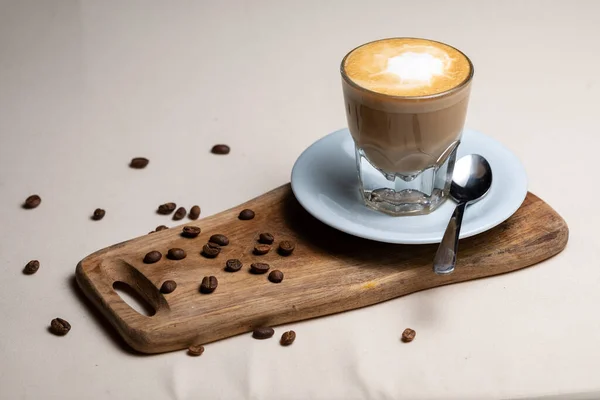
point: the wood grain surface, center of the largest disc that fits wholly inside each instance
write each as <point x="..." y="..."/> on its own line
<point x="329" y="271"/>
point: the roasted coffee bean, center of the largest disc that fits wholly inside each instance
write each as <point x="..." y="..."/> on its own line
<point x="161" y="228"/>
<point x="152" y="257"/>
<point x="179" y="214"/>
<point x="219" y="239"/>
<point x="60" y="327"/>
<point x="276" y="276"/>
<point x="259" y="268"/>
<point x="98" y="214"/>
<point x="176" y="254"/>
<point x="196" y="350"/>
<point x="168" y="287"/>
<point x="209" y="284"/>
<point x="32" y="201"/>
<point x="190" y="231"/>
<point x="261" y="249"/>
<point x="408" y="335"/>
<point x="233" y="265"/>
<point x="263" y="333"/>
<point x="220" y="149"/>
<point x="167" y="208"/>
<point x="246" y="214"/>
<point x="266" y="238"/>
<point x="286" y="247"/>
<point x="194" y="212"/>
<point x="211" y="250"/>
<point x="31" y="267"/>
<point x="139" y="162"/>
<point x="287" y="338"/>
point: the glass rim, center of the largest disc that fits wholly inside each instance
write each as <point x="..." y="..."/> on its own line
<point x="456" y="88"/>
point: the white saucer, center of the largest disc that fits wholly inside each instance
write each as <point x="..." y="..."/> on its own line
<point x="325" y="182"/>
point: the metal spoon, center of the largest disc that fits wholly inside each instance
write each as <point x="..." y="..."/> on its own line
<point x="471" y="181"/>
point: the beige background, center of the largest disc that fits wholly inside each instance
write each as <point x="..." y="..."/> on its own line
<point x="87" y="85"/>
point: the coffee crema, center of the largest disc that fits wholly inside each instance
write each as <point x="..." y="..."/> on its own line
<point x="407" y="67"/>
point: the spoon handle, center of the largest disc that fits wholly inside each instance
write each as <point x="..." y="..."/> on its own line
<point x="445" y="257"/>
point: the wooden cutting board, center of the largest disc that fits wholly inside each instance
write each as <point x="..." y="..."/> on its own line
<point x="328" y="272"/>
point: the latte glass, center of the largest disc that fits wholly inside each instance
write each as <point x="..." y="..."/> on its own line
<point x="406" y="144"/>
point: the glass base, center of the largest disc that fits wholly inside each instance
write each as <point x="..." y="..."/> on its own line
<point x="399" y="195"/>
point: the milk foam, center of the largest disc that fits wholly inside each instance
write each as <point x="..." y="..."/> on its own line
<point x="407" y="67"/>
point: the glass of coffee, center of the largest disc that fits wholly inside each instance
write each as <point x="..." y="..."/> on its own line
<point x="406" y="102"/>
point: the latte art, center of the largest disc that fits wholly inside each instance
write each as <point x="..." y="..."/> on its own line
<point x="407" y="67"/>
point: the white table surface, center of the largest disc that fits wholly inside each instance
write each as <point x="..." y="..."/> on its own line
<point x="87" y="85"/>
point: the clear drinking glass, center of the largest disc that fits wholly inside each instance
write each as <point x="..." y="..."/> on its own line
<point x="405" y="145"/>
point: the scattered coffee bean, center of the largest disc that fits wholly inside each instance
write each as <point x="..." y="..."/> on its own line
<point x="179" y="214"/>
<point x="152" y="257"/>
<point x="211" y="250"/>
<point x="276" y="276"/>
<point x="233" y="265"/>
<point x="259" y="268"/>
<point x="32" y="201"/>
<point x="176" y="254"/>
<point x="161" y="228"/>
<point x="263" y="333"/>
<point x="261" y="249"/>
<point x="167" y="208"/>
<point x="246" y="214"/>
<point x="168" y="287"/>
<point x="31" y="267"/>
<point x="190" y="231"/>
<point x="98" y="214"/>
<point x="408" y="335"/>
<point x="219" y="239"/>
<point x="220" y="149"/>
<point x="60" y="327"/>
<point x="209" y="284"/>
<point x="287" y="338"/>
<point x="266" y="238"/>
<point x="194" y="212"/>
<point x="286" y="247"/>
<point x="196" y="350"/>
<point x="139" y="162"/>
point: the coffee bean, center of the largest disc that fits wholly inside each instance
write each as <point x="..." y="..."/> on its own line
<point x="98" y="214"/>
<point x="211" y="250"/>
<point x="220" y="149"/>
<point x="263" y="333"/>
<point x="208" y="285"/>
<point x="194" y="212"/>
<point x="176" y="254"/>
<point x="60" y="327"/>
<point x="152" y="257"/>
<point x="161" y="228"/>
<point x="179" y="214"/>
<point x="167" y="208"/>
<point x="190" y="231"/>
<point x="259" y="268"/>
<point x="31" y="267"/>
<point x="32" y="201"/>
<point x="261" y="249"/>
<point x="266" y="238"/>
<point x="246" y="214"/>
<point x="139" y="162"/>
<point x="286" y="247"/>
<point x="408" y="335"/>
<point x="276" y="276"/>
<point x="219" y="239"/>
<point x="196" y="350"/>
<point x="168" y="287"/>
<point x="233" y="265"/>
<point x="287" y="338"/>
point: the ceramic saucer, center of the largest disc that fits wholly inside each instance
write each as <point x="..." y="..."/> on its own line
<point x="325" y="182"/>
